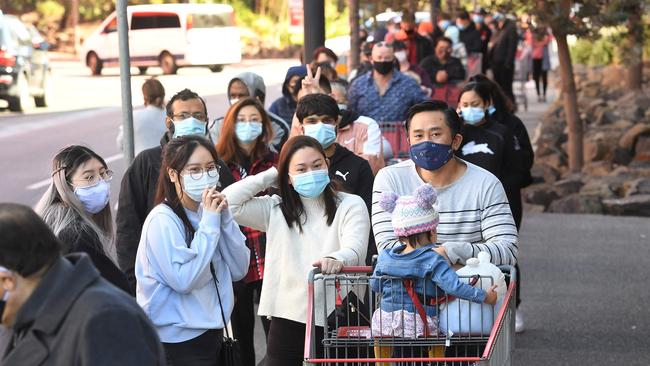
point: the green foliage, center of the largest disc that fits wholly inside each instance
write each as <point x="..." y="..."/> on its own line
<point x="50" y="10"/>
<point x="601" y="52"/>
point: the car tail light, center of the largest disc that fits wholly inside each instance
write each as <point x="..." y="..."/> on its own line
<point x="7" y="59"/>
<point x="190" y="22"/>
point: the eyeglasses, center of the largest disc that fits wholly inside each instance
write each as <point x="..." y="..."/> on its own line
<point x="197" y="173"/>
<point x="106" y="176"/>
<point x="185" y="115"/>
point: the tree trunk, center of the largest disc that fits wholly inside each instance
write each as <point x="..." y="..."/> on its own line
<point x="635" y="49"/>
<point x="570" y="102"/>
<point x="412" y="6"/>
<point x="435" y="11"/>
<point x="353" y="63"/>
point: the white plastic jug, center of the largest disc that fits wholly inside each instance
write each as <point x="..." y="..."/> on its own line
<point x="469" y="318"/>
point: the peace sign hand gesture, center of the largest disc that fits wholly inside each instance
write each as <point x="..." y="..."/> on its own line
<point x="310" y="83"/>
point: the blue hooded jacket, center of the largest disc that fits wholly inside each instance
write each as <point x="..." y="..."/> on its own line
<point x="285" y="106"/>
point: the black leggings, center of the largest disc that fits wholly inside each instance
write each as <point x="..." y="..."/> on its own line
<point x="286" y="345"/>
<point x="538" y="72"/>
<point x="243" y="319"/>
<point x="200" y="351"/>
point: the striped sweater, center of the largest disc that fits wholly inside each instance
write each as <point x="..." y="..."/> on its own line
<point x="474" y="213"/>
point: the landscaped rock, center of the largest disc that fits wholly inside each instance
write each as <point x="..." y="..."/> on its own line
<point x="630" y="136"/>
<point x="577" y="203"/>
<point x="642" y="148"/>
<point x="638" y="205"/>
<point x="545" y="173"/>
<point x="599" y="188"/>
<point x="568" y="186"/>
<point x="597" y="168"/>
<point x="541" y="194"/>
<point x="637" y="187"/>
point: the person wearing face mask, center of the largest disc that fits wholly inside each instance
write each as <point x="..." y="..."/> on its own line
<point x="487" y="143"/>
<point x="248" y="84"/>
<point x="502" y="53"/>
<point x="386" y="93"/>
<point x="243" y="145"/>
<point x="443" y="68"/>
<point x="479" y="19"/>
<point x="59" y="309"/>
<point x="473" y="208"/>
<point x="418" y="46"/>
<point x="190" y="253"/>
<point x="186" y="115"/>
<point x="76" y="208"/>
<point x="411" y="69"/>
<point x="285" y="106"/>
<point x="471" y="38"/>
<point x="309" y="223"/>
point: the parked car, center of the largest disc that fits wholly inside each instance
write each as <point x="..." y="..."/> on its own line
<point x="24" y="64"/>
<point x="169" y="36"/>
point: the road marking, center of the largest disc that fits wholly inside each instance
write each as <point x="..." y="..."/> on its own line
<point x="46" y="182"/>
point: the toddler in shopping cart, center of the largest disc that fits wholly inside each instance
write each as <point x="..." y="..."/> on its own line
<point x="423" y="274"/>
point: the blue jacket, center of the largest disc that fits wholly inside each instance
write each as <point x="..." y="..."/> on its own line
<point x="432" y="278"/>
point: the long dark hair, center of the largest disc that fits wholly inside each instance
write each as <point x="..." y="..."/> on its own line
<point x="291" y="204"/>
<point x="503" y="105"/>
<point x="62" y="210"/>
<point x="176" y="154"/>
<point x="228" y="147"/>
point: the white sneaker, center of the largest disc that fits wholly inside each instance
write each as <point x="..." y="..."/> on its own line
<point x="519" y="322"/>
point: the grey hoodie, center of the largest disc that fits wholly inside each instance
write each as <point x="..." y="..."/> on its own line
<point x="256" y="88"/>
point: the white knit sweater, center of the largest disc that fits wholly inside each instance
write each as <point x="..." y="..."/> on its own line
<point x="290" y="253"/>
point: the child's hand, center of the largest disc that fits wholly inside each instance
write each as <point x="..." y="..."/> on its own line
<point x="491" y="296"/>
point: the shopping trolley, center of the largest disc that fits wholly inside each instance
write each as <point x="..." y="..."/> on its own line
<point x="521" y="74"/>
<point x="348" y="337"/>
<point x="395" y="140"/>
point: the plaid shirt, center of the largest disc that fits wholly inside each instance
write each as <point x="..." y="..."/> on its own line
<point x="402" y="92"/>
<point x="255" y="240"/>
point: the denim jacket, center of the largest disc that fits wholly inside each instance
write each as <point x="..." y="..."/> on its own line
<point x="431" y="274"/>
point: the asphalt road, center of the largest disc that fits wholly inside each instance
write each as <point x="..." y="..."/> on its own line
<point x="86" y="110"/>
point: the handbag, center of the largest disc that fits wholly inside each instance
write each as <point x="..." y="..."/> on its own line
<point x="229" y="354"/>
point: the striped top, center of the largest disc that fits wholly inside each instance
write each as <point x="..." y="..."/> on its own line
<point x="474" y="213"/>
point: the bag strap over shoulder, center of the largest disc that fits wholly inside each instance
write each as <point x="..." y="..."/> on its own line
<point x="216" y="285"/>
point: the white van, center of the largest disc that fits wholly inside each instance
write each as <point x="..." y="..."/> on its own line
<point x="169" y="36"/>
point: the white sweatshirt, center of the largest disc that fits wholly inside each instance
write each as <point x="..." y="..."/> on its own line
<point x="474" y="213"/>
<point x="290" y="253"/>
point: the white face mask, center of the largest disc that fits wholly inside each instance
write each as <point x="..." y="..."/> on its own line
<point x="233" y="101"/>
<point x="194" y="188"/>
<point x="400" y="56"/>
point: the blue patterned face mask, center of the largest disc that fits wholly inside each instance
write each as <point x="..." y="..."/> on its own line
<point x="189" y="126"/>
<point x="431" y="156"/>
<point x="311" y="184"/>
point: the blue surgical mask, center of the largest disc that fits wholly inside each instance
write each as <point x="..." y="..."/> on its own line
<point x="477" y="19"/>
<point x="443" y="24"/>
<point x="94" y="198"/>
<point x="194" y="188"/>
<point x="491" y="109"/>
<point x="323" y="132"/>
<point x="248" y="131"/>
<point x="189" y="126"/>
<point x="311" y="184"/>
<point x="460" y="26"/>
<point x="430" y="156"/>
<point x="472" y="115"/>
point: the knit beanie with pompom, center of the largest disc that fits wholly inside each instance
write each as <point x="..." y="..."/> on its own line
<point x="412" y="214"/>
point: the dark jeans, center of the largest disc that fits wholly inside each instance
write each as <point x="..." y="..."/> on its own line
<point x="539" y="72"/>
<point x="243" y="319"/>
<point x="286" y="345"/>
<point x="504" y="75"/>
<point x="200" y="351"/>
